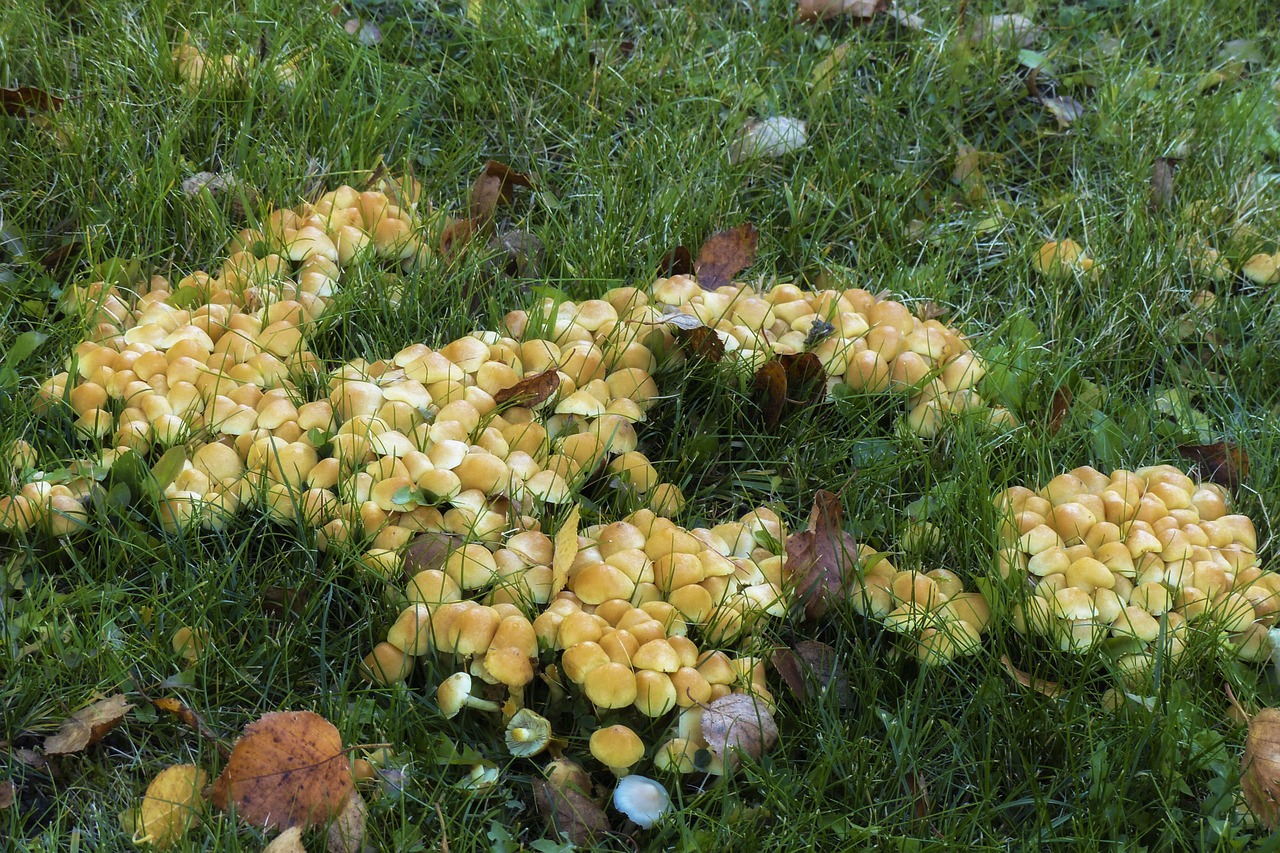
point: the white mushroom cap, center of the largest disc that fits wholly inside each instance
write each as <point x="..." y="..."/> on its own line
<point x="641" y="799"/>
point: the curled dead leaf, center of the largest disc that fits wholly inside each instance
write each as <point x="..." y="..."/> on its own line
<point x="1064" y="109"/>
<point x="678" y="261"/>
<point x="725" y="254"/>
<point x="455" y="236"/>
<point x="1162" y="182"/>
<point x="569" y="812"/>
<point x="288" y="769"/>
<point x="171" y="806"/>
<point x="1039" y="685"/>
<point x="821" y="561"/>
<point x="493" y="188"/>
<point x="702" y="342"/>
<point x="811" y="667"/>
<point x="775" y="136"/>
<point x="1224" y="463"/>
<point x="429" y="550"/>
<point x="87" y="726"/>
<point x="1260" y="767"/>
<point x="771" y="392"/>
<point x="530" y="391"/>
<point x="1059" y="409"/>
<point x="806" y="377"/>
<point x="8" y="794"/>
<point x="738" y="724"/>
<point x="191" y="719"/>
<point x="25" y="99"/>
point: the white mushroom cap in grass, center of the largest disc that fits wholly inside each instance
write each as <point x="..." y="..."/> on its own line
<point x="641" y="799"/>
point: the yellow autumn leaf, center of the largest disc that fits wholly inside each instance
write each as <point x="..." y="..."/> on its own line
<point x="171" y="805"/>
<point x="824" y="70"/>
<point x="565" y="553"/>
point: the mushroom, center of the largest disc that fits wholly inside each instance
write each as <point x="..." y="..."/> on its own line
<point x="454" y="694"/>
<point x="528" y="733"/>
<point x="642" y="800"/>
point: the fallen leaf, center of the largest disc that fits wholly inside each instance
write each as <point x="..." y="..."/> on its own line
<point x="1162" y="183"/>
<point x="1064" y="109"/>
<point x="493" y="188"/>
<point x="284" y="601"/>
<point x="821" y="560"/>
<point x="738" y="724"/>
<point x="909" y="20"/>
<point x="566" y="551"/>
<point x="823" y="73"/>
<point x="930" y="310"/>
<point x="25" y="99"/>
<point x="771" y="137"/>
<point x="531" y="390"/>
<point x="455" y="235"/>
<point x="806" y="378"/>
<point x="519" y="253"/>
<point x="702" y="342"/>
<point x="676" y="262"/>
<point x="1018" y="29"/>
<point x="1039" y="685"/>
<point x="1242" y="50"/>
<point x="771" y="392"/>
<point x="56" y="258"/>
<point x="192" y="720"/>
<point x="812" y="664"/>
<point x="862" y="11"/>
<point x="30" y="758"/>
<point x="1059" y="408"/>
<point x="918" y="789"/>
<point x="429" y="550"/>
<point x="368" y="33"/>
<point x="87" y="726"/>
<point x="1224" y="463"/>
<point x="568" y="812"/>
<point x="171" y="806"/>
<point x="346" y="833"/>
<point x="8" y="794"/>
<point x="725" y="254"/>
<point x="289" y="841"/>
<point x="288" y="769"/>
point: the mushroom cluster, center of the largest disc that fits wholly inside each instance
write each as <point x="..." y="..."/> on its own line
<point x="864" y="342"/>
<point x="1062" y="259"/>
<point x="1146" y="556"/>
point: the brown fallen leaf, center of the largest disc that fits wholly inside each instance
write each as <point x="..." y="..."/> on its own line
<point x="771" y="392"/>
<point x="171" y="806"/>
<point x="518" y="254"/>
<point x="568" y="812"/>
<point x="54" y="260"/>
<point x="494" y="187"/>
<point x="811" y="664"/>
<point x="702" y="342"/>
<point x="27" y="99"/>
<point x="918" y="790"/>
<point x="565" y="551"/>
<point x="1039" y="685"/>
<point x="87" y="726"/>
<point x="738" y="724"/>
<point x="725" y="254"/>
<point x="192" y="720"/>
<point x="284" y="601"/>
<point x="678" y="261"/>
<point x="930" y="310"/>
<point x="1064" y="109"/>
<point x="289" y="841"/>
<point x="30" y="758"/>
<point x="455" y="236"/>
<point x="530" y="391"/>
<point x="806" y="378"/>
<point x="346" y="833"/>
<point x="1224" y="463"/>
<point x="1059" y="408"/>
<point x="861" y="11"/>
<point x="288" y="769"/>
<point x="1162" y="182"/>
<point x="429" y="550"/>
<point x="822" y="560"/>
<point x="8" y="794"/>
<point x="1019" y="29"/>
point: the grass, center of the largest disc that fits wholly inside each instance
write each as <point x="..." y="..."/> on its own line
<point x="623" y="114"/>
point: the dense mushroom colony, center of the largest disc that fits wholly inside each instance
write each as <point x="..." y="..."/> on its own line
<point x="1145" y="556"/>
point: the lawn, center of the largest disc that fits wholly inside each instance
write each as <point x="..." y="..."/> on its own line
<point x="937" y="162"/>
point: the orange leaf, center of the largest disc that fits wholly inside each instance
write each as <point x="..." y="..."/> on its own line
<point x="1039" y="685"/>
<point x="25" y="99"/>
<point x="288" y="769"/>
<point x="88" y="726"/>
<point x="191" y="719"/>
<point x="531" y="390"/>
<point x="725" y="254"/>
<point x="771" y="392"/>
<point x="493" y="188"/>
<point x="1224" y="463"/>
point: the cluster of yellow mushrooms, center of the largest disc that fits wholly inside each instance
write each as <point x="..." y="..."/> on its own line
<point x="1146" y="555"/>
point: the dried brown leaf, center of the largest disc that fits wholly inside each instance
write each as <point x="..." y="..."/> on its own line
<point x="26" y="99"/>
<point x="429" y="551"/>
<point x="738" y="723"/>
<point x="346" y="833"/>
<point x="531" y="390"/>
<point x="811" y="664"/>
<point x="1059" y="408"/>
<point x="191" y="720"/>
<point x="702" y="342"/>
<point x="455" y="236"/>
<point x="30" y="758"/>
<point x="930" y="310"/>
<point x="1039" y="685"/>
<point x="822" y="560"/>
<point x="918" y="789"/>
<point x="806" y="377"/>
<point x="679" y="261"/>
<point x="725" y="254"/>
<point x="88" y="726"/>
<point x="1064" y="109"/>
<point x="861" y="11"/>
<point x="8" y="794"/>
<point x="569" y="812"/>
<point x="1224" y="463"/>
<point x="288" y="769"/>
<point x="284" y="601"/>
<point x="493" y="188"/>
<point x="771" y="392"/>
<point x="1162" y="183"/>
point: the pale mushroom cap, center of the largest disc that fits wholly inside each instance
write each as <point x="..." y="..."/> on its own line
<point x="641" y="799"/>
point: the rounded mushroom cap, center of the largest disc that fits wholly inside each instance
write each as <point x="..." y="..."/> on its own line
<point x="641" y="799"/>
<point x="528" y="733"/>
<point x="452" y="694"/>
<point x="616" y="746"/>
